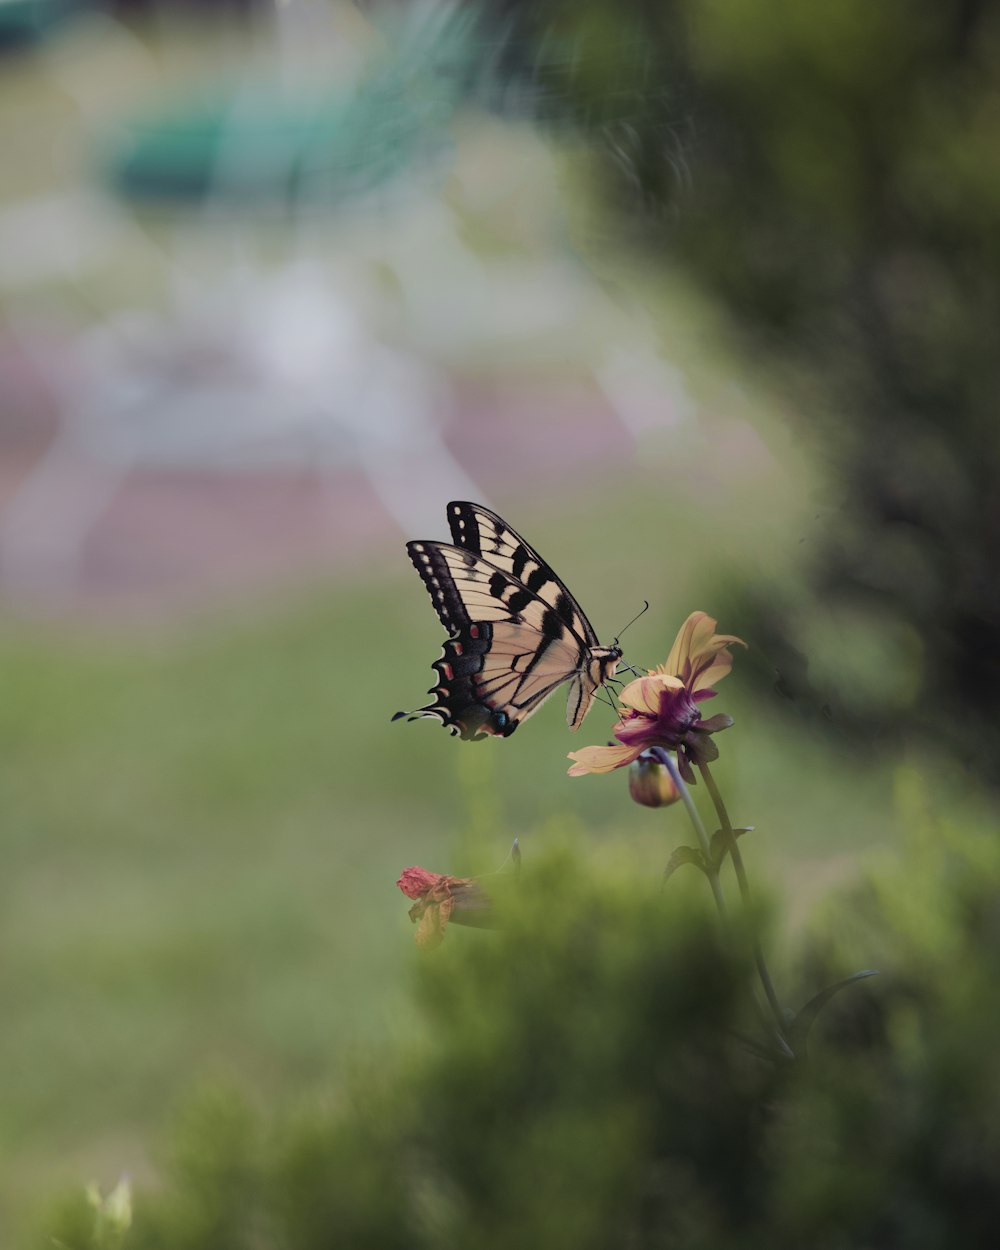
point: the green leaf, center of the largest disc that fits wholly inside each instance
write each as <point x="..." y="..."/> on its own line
<point x="720" y="843"/>
<point x="798" y="1032"/>
<point x="685" y="855"/>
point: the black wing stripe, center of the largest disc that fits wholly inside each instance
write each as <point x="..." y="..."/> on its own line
<point x="479" y="692"/>
<point x="576" y="693"/>
<point x="457" y="702"/>
<point x="565" y="609"/>
<point x="461" y="593"/>
<point x="437" y="577"/>
<point x="532" y="700"/>
<point x="464" y="588"/>
<point x="517" y="633"/>
<point x="469" y="702"/>
<point x="478" y="530"/>
<point x="538" y="579"/>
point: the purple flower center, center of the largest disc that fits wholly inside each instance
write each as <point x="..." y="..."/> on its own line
<point x="676" y="716"/>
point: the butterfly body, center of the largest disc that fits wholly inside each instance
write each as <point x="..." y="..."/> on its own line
<point x="517" y="633"/>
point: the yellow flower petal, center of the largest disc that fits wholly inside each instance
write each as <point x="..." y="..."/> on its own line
<point x="643" y="694"/>
<point x="712" y="665"/>
<point x="716" y="670"/>
<point x="681" y="650"/>
<point x="601" y="759"/>
<point x="699" y="656"/>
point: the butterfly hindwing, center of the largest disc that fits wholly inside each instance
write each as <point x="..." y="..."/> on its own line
<point x="516" y="632"/>
<point x="489" y="682"/>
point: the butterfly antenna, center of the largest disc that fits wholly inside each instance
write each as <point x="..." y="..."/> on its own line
<point x="645" y="608"/>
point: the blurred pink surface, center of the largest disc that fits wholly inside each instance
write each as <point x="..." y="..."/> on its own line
<point x="169" y="540"/>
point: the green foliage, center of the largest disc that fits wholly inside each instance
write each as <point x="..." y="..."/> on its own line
<point x="826" y="172"/>
<point x="911" y="1102"/>
<point x="580" y="1079"/>
<point x="201" y="831"/>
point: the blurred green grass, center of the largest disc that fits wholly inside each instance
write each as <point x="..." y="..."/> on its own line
<point x="202" y="830"/>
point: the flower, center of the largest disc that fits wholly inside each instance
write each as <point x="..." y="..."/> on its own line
<point x="650" y="783"/>
<point x="440" y="899"/>
<point x="661" y="709"/>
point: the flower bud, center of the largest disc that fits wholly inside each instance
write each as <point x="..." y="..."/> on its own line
<point x="650" y="783"/>
<point x="440" y="900"/>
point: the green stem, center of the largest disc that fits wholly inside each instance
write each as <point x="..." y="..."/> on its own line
<point x="711" y="871"/>
<point x="667" y="760"/>
<point x="744" y="885"/>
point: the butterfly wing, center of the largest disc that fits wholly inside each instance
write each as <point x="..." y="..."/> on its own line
<point x="478" y="530"/>
<point x="483" y="533"/>
<point x="510" y="646"/>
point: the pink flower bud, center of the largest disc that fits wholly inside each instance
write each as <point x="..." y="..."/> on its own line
<point x="649" y="782"/>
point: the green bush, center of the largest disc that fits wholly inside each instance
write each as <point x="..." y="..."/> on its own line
<point x="591" y="1075"/>
<point x="826" y="173"/>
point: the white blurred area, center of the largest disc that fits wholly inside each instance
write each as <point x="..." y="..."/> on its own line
<point x="203" y="396"/>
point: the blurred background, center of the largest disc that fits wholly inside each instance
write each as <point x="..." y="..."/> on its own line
<point x="700" y="296"/>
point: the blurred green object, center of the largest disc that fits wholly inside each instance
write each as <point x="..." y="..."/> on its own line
<point x="828" y="173"/>
<point x="258" y="145"/>
<point x="202" y="827"/>
<point x="260" y="148"/>
<point x="581" y="1080"/>
<point x="24" y="21"/>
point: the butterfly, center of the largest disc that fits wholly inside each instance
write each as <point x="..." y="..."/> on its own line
<point x="516" y="632"/>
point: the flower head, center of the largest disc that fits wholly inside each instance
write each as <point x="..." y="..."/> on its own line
<point x="662" y="708"/>
<point x="440" y="899"/>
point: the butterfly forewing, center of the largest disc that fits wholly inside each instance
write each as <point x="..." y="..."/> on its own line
<point x="482" y="533"/>
<point x="464" y="588"/>
<point x="516" y="631"/>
